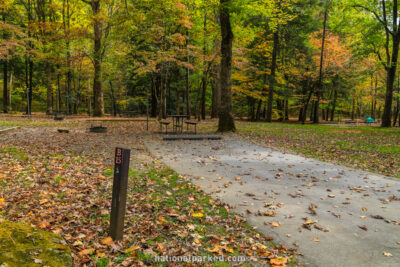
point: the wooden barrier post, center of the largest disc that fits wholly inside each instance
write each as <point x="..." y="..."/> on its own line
<point x="120" y="185"/>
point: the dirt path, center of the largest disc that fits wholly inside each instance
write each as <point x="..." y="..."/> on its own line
<point x="334" y="215"/>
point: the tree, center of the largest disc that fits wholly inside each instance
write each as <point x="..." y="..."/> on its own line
<point x="98" y="54"/>
<point x="226" y="122"/>
<point x="386" y="14"/>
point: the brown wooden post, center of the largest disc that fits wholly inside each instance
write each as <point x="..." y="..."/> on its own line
<point x="120" y="185"/>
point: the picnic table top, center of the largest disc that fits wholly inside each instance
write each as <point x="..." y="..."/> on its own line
<point x="178" y="116"/>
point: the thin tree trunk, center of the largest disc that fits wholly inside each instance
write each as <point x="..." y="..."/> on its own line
<point x="49" y="89"/>
<point x="396" y="113"/>
<point x="178" y="102"/>
<point x="58" y="104"/>
<point x="6" y="104"/>
<point x="226" y="122"/>
<point x="98" y="110"/>
<point x="164" y="101"/>
<point x="353" y="109"/>
<point x="30" y="85"/>
<point x="334" y="105"/>
<point x="113" y="101"/>
<point x="154" y="99"/>
<point x="5" y="87"/>
<point x="204" y="83"/>
<point x="10" y="91"/>
<point x="258" y="110"/>
<point x="216" y="96"/>
<point x="89" y="99"/>
<point x="188" y="111"/>
<point x="286" y="117"/>
<point x="319" y="89"/>
<point x="272" y="76"/>
<point x="306" y="106"/>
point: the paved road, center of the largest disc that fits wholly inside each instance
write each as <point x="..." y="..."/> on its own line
<point x="336" y="203"/>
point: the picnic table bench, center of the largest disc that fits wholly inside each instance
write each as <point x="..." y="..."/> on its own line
<point x="165" y="123"/>
<point x="191" y="123"/>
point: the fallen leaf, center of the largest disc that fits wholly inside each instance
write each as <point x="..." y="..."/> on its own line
<point x="363" y="227"/>
<point x="321" y="228"/>
<point x="332" y="196"/>
<point x="280" y="261"/>
<point x="387" y="254"/>
<point x="316" y="239"/>
<point x="86" y="252"/>
<point x="274" y="224"/>
<point x="107" y="241"/>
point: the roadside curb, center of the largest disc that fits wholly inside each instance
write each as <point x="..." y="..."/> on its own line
<point x="8" y="129"/>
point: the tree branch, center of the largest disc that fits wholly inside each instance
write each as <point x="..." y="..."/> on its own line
<point x="377" y="17"/>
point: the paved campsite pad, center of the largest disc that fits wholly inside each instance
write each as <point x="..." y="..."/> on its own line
<point x="353" y="216"/>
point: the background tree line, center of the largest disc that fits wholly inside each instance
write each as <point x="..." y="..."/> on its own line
<point x="318" y="60"/>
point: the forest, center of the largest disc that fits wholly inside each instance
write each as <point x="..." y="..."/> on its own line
<point x="260" y="60"/>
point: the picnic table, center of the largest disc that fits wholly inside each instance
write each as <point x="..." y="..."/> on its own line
<point x="177" y="122"/>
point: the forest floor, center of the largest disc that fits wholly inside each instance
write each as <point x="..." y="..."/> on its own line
<point x="334" y="215"/>
<point x="62" y="182"/>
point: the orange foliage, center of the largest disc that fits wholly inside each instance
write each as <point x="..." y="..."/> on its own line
<point x="336" y="54"/>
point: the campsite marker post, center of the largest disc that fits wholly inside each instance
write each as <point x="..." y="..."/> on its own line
<point x="120" y="185"/>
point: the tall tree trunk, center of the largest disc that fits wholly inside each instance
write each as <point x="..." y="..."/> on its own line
<point x="335" y="93"/>
<point x="391" y="61"/>
<point x="353" y="109"/>
<point x="312" y="111"/>
<point x="319" y="88"/>
<point x="154" y="94"/>
<point x="307" y="102"/>
<point x="187" y="94"/>
<point x="178" y="102"/>
<point x="9" y="88"/>
<point x="66" y="24"/>
<point x="387" y="112"/>
<point x="396" y="113"/>
<point x="58" y="102"/>
<point x="113" y="101"/>
<point x="89" y="103"/>
<point x="28" y="62"/>
<point x="272" y="76"/>
<point x="216" y="93"/>
<point x="98" y="110"/>
<point x="226" y="122"/>
<point x="6" y="104"/>
<point x="258" y="110"/>
<point x="286" y="117"/>
<point x="5" y="87"/>
<point x="279" y="107"/>
<point x="30" y="85"/>
<point x="164" y="101"/>
<point x="204" y="83"/>
<point x="49" y="89"/>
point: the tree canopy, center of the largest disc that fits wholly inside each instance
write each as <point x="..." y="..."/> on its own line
<point x="262" y="60"/>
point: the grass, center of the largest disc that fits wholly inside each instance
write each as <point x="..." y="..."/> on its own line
<point x="368" y="148"/>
